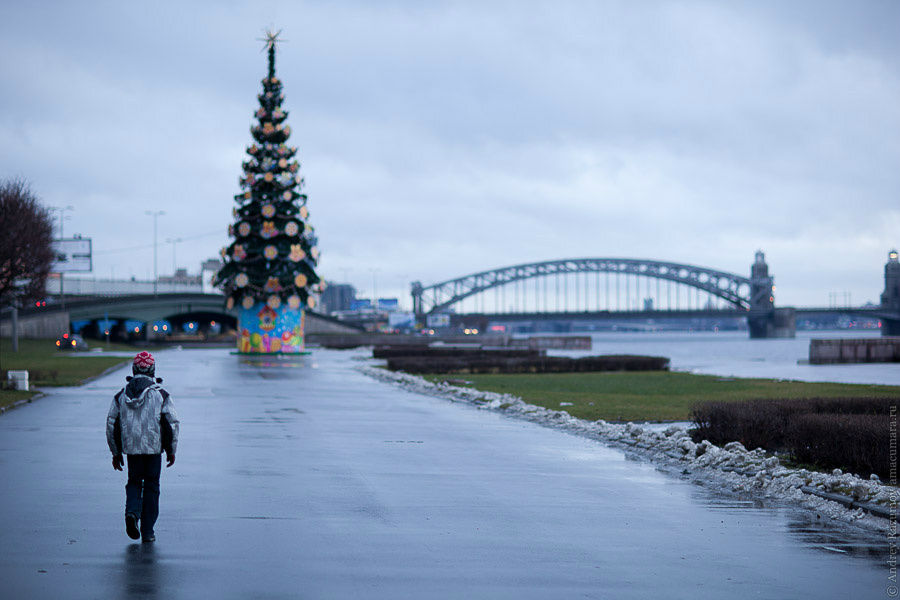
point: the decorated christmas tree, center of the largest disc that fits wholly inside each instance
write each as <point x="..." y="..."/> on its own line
<point x="269" y="269"/>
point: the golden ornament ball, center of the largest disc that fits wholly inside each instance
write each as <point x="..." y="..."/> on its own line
<point x="274" y="302"/>
<point x="247" y="302"/>
<point x="300" y="280"/>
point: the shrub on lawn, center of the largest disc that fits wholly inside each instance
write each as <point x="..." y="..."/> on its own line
<point x="855" y="443"/>
<point x="846" y="433"/>
<point x="754" y="423"/>
<point x="488" y="362"/>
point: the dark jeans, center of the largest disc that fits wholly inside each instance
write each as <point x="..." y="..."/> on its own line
<point x="142" y="489"/>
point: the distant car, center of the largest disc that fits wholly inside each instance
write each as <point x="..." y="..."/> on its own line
<point x="71" y="341"/>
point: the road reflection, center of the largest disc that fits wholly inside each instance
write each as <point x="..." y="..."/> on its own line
<point x="807" y="527"/>
<point x="821" y="534"/>
<point x="140" y="575"/>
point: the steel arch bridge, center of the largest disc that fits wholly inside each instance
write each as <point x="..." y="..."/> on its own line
<point x="733" y="289"/>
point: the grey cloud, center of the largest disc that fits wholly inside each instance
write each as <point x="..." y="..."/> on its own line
<point x="443" y="139"/>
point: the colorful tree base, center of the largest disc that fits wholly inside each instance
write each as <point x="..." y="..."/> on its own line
<point x="264" y="330"/>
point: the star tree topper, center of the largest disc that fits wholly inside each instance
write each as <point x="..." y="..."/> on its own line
<point x="270" y="41"/>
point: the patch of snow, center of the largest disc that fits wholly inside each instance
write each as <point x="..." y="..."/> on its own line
<point x="731" y="467"/>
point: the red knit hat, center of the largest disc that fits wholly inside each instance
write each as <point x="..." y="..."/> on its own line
<point x="144" y="364"/>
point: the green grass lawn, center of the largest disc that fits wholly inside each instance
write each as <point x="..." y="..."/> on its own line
<point x="649" y="395"/>
<point x="47" y="366"/>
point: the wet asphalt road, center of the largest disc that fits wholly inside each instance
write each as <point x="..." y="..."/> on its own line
<point x="314" y="481"/>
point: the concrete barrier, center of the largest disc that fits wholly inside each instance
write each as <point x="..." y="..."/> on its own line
<point x="866" y="350"/>
<point x="38" y="327"/>
<point x="17" y="380"/>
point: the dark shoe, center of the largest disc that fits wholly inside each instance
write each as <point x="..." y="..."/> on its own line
<point x="149" y="538"/>
<point x="131" y="527"/>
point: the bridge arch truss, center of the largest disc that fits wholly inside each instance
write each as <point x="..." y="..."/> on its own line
<point x="733" y="289"/>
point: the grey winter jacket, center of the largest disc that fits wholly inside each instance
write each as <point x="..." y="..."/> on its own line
<point x="142" y="419"/>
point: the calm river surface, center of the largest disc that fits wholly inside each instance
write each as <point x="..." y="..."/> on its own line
<point x="733" y="354"/>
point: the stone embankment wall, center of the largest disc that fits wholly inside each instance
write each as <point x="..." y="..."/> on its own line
<point x="340" y="339"/>
<point x="317" y="324"/>
<point x="554" y="342"/>
<point x="355" y="340"/>
<point x="497" y="362"/>
<point x="867" y="350"/>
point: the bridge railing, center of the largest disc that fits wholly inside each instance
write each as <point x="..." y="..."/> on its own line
<point x="79" y="286"/>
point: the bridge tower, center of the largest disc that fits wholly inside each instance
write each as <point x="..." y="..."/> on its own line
<point x="890" y="299"/>
<point x="416" y="292"/>
<point x="764" y="320"/>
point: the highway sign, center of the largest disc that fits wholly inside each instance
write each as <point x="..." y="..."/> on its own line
<point x="73" y="255"/>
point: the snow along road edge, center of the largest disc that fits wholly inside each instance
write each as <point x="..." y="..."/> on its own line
<point x="730" y="467"/>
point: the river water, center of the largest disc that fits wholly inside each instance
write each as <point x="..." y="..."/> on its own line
<point x="733" y="354"/>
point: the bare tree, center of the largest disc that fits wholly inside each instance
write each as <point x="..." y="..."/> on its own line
<point x="26" y="243"/>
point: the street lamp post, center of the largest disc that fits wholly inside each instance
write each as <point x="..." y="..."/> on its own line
<point x="62" y="212"/>
<point x="62" y="219"/>
<point x="155" y="214"/>
<point x="375" y="289"/>
<point x="173" y="241"/>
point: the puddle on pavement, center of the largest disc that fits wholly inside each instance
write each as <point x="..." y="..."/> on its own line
<point x="805" y="526"/>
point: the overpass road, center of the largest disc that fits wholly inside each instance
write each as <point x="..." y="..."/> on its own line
<point x="313" y="481"/>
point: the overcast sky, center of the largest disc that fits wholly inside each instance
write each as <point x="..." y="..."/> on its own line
<point x="440" y="139"/>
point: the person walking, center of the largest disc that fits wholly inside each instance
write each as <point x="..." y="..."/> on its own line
<point x="141" y="424"/>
